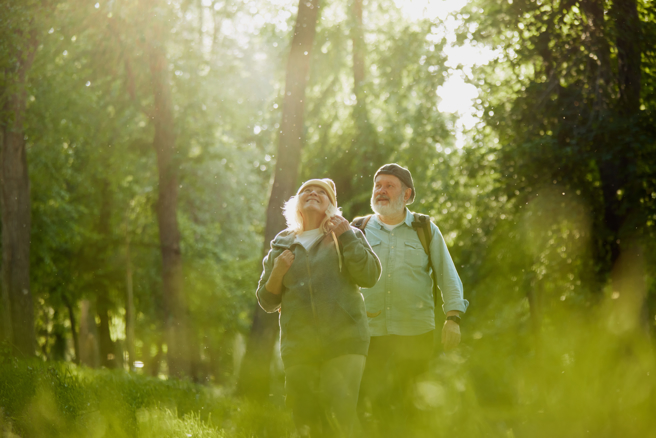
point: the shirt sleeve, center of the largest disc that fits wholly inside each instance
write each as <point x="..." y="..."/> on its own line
<point x="446" y="274"/>
<point x="268" y="301"/>
<point x="361" y="262"/>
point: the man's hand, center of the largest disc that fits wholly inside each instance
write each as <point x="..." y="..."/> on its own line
<point x="338" y="225"/>
<point x="450" y="335"/>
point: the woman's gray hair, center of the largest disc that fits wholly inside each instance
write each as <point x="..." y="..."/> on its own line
<point x="292" y="212"/>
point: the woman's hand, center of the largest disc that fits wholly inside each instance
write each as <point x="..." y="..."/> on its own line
<point x="338" y="225"/>
<point x="281" y="265"/>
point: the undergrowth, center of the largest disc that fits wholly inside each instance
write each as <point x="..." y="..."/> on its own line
<point x="53" y="400"/>
<point x="580" y="379"/>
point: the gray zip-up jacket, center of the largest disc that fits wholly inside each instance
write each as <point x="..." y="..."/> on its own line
<point x="322" y="313"/>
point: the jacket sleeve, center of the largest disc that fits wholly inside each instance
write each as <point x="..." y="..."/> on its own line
<point x="268" y="301"/>
<point x="360" y="260"/>
<point x="446" y="274"/>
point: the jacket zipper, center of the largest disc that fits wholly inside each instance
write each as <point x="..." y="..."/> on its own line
<point x="314" y="310"/>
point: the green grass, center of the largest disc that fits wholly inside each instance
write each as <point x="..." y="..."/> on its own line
<point x="577" y="379"/>
<point x="61" y="400"/>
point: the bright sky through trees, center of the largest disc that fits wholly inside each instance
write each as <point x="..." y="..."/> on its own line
<point x="457" y="95"/>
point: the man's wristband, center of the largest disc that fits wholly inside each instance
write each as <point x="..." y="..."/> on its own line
<point x="454" y="318"/>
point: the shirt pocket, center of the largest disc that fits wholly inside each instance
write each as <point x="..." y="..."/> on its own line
<point x="377" y="247"/>
<point x="414" y="254"/>
<point x="373" y="241"/>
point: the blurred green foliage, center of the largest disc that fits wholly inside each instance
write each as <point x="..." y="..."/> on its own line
<point x="590" y="376"/>
<point x="62" y="400"/>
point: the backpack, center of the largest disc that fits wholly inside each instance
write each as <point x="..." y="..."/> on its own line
<point x="422" y="225"/>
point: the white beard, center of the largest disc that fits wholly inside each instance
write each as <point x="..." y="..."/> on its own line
<point x="394" y="206"/>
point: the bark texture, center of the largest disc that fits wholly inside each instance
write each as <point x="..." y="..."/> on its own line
<point x="357" y="39"/>
<point x="72" y="321"/>
<point x="89" y="351"/>
<point x="16" y="220"/>
<point x="129" y="306"/>
<point x="167" y="205"/>
<point x="613" y="169"/>
<point x="594" y="11"/>
<point x="107" y="347"/>
<point x="627" y="28"/>
<point x="108" y="357"/>
<point x="254" y="373"/>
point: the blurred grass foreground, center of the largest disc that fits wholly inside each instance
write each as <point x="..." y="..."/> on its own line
<point x="585" y="377"/>
<point x="62" y="400"/>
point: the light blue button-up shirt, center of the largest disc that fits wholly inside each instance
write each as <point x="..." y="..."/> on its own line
<point x="401" y="303"/>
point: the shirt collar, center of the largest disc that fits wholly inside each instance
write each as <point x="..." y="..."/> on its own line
<point x="409" y="219"/>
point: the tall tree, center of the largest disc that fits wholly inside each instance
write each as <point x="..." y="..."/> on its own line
<point x="107" y="347"/>
<point x="164" y="143"/>
<point x="254" y="374"/>
<point x="365" y="153"/>
<point x="15" y="185"/>
<point x="575" y="119"/>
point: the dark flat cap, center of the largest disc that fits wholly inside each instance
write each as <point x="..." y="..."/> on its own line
<point x="401" y="173"/>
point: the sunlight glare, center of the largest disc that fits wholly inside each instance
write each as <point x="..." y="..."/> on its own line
<point x="456" y="95"/>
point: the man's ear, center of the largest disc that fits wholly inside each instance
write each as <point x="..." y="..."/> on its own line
<point x="407" y="194"/>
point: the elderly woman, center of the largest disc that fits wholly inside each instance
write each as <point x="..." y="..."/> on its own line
<point x="312" y="275"/>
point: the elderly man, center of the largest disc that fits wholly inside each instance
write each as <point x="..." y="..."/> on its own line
<point x="401" y="306"/>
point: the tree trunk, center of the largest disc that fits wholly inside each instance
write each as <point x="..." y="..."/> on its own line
<point x="105" y="344"/>
<point x="58" y="332"/>
<point x="254" y="374"/>
<point x="365" y="153"/>
<point x="167" y="204"/>
<point x="153" y="364"/>
<point x="129" y="306"/>
<point x="627" y="27"/>
<point x="15" y="203"/>
<point x="594" y="11"/>
<point x="357" y="40"/>
<point x="88" y="339"/>
<point x="71" y="319"/>
<point x="612" y="168"/>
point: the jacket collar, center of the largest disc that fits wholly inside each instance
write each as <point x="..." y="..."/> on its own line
<point x="284" y="240"/>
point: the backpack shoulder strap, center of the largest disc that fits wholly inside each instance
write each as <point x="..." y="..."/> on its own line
<point x="422" y="225"/>
<point x="361" y="222"/>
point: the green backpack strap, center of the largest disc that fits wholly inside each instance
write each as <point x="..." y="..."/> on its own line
<point x="422" y="225"/>
<point x="361" y="222"/>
